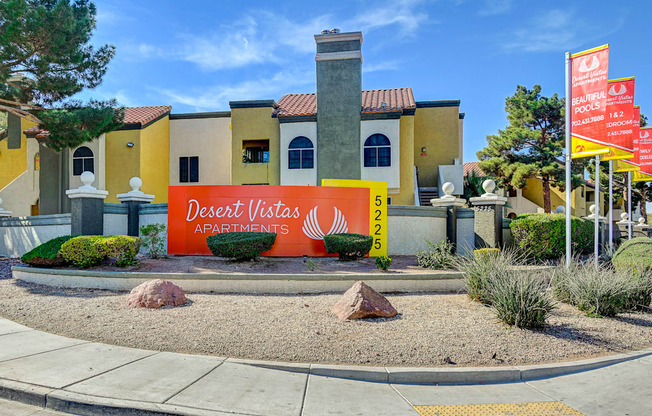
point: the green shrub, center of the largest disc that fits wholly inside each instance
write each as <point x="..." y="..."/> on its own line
<point x="47" y="254"/>
<point x="124" y="248"/>
<point x="634" y="255"/>
<point x="437" y="256"/>
<point x="348" y="246"/>
<point x="154" y="239"/>
<point x="520" y="299"/>
<point x="596" y="291"/>
<point x="486" y="252"/>
<point x="383" y="262"/>
<point x="543" y="236"/>
<point x="240" y="245"/>
<point x="91" y="250"/>
<point x="484" y="267"/>
<point x="640" y="297"/>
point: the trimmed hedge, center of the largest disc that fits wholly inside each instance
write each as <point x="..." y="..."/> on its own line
<point x="91" y="250"/>
<point x="348" y="246"/>
<point x="543" y="236"/>
<point x="240" y="245"/>
<point x="47" y="254"/>
<point x="634" y="254"/>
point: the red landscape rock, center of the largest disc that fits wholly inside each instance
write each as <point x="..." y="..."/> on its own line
<point x="156" y="293"/>
<point x="361" y="301"/>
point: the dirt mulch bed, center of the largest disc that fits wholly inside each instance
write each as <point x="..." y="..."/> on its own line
<point x="267" y="265"/>
<point x="431" y="329"/>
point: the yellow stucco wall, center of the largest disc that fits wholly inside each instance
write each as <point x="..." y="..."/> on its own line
<point x="122" y="162"/>
<point x="533" y="191"/>
<point x="438" y="130"/>
<point x="406" y="193"/>
<point x="155" y="159"/>
<point x="13" y="162"/>
<point x="255" y="124"/>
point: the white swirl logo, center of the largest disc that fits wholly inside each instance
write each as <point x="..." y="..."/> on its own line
<point x="594" y="64"/>
<point x="644" y="134"/>
<point x="622" y="89"/>
<point x="312" y="229"/>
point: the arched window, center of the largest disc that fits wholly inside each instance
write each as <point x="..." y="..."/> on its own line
<point x="301" y="154"/>
<point x="377" y="151"/>
<point x="82" y="161"/>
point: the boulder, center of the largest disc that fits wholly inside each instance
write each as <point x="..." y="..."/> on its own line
<point x="156" y="293"/>
<point x="361" y="301"/>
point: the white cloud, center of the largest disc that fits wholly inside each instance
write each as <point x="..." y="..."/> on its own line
<point x="217" y="97"/>
<point x="404" y="14"/>
<point x="558" y="30"/>
<point x="263" y="36"/>
<point x="494" y="7"/>
<point x="383" y="66"/>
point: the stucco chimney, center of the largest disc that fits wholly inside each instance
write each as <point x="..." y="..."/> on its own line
<point x="339" y="102"/>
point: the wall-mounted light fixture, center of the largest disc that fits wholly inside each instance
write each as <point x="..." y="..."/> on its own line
<point x="423" y="151"/>
<point x="130" y="144"/>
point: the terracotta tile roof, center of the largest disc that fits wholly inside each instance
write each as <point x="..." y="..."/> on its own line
<point x="297" y="105"/>
<point x="134" y="116"/>
<point x="143" y="115"/>
<point x="396" y="99"/>
<point x="36" y="132"/>
<point x="473" y="167"/>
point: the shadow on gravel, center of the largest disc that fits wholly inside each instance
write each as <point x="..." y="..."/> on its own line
<point x="65" y="292"/>
<point x="642" y="320"/>
<point x="567" y="332"/>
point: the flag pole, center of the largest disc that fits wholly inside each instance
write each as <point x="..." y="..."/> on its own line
<point x="568" y="161"/>
<point x="596" y="240"/>
<point x="629" y="205"/>
<point x="611" y="206"/>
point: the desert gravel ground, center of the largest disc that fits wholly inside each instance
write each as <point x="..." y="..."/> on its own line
<point x="431" y="329"/>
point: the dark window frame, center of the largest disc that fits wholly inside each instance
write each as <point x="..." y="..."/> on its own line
<point x="301" y="153"/>
<point x="83" y="160"/>
<point x="189" y="169"/>
<point x="377" y="151"/>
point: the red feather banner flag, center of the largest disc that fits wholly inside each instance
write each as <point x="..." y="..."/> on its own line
<point x="589" y="76"/>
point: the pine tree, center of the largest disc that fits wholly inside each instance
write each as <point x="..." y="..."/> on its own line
<point x="46" y="58"/>
<point x="531" y="146"/>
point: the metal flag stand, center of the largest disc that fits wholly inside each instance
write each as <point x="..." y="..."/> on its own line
<point x="596" y="237"/>
<point x="568" y="160"/>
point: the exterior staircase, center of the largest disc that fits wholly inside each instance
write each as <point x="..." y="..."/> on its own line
<point x="426" y="194"/>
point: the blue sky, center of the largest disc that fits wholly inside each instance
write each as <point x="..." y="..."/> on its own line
<point x="198" y="55"/>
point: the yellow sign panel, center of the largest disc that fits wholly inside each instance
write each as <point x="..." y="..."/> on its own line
<point x="377" y="210"/>
<point x="587" y="148"/>
<point x="625" y="166"/>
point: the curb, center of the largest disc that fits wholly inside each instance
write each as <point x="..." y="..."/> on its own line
<point x="460" y="375"/>
<point x="84" y="404"/>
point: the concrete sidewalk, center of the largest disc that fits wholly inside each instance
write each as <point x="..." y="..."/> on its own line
<point x="80" y="377"/>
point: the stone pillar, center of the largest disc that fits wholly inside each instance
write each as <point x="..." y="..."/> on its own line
<point x="640" y="229"/>
<point x="602" y="221"/>
<point x="488" y="225"/>
<point x="87" y="207"/>
<point x="451" y="203"/>
<point x="134" y="199"/>
<point x="3" y="212"/>
<point x="623" y="225"/>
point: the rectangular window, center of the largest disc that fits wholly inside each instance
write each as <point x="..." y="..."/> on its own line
<point x="307" y="159"/>
<point x="77" y="166"/>
<point x="294" y="160"/>
<point x="189" y="169"/>
<point x="81" y="165"/>
<point x="370" y="157"/>
<point x="512" y="193"/>
<point x="384" y="156"/>
<point x="255" y="151"/>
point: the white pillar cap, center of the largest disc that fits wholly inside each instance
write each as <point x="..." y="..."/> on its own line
<point x="87" y="190"/>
